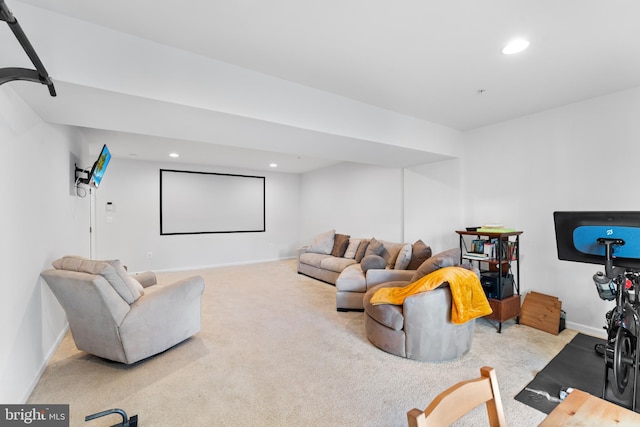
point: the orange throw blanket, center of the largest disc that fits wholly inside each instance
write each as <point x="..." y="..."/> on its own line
<point x="469" y="300"/>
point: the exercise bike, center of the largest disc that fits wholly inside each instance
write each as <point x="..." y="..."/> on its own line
<point x="621" y="352"/>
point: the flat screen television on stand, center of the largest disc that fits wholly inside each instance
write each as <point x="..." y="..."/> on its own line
<point x="580" y="237"/>
<point x="94" y="176"/>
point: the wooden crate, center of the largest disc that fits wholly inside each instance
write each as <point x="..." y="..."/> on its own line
<point x="542" y="312"/>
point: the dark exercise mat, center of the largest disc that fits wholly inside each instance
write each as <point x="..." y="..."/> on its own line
<point x="577" y="366"/>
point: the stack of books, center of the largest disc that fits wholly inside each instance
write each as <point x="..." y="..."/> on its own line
<point x="482" y="249"/>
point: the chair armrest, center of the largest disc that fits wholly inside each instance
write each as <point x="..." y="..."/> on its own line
<point x="146" y="279"/>
<point x="430" y="335"/>
<point x="161" y="318"/>
<point x="165" y="301"/>
<point x="376" y="276"/>
<point x="428" y="307"/>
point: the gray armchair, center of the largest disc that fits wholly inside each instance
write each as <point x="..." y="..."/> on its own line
<point x="114" y="316"/>
<point x="421" y="328"/>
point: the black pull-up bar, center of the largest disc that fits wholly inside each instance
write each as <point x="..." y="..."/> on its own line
<point x="39" y="75"/>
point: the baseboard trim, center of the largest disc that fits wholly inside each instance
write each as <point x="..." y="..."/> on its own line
<point x="588" y="330"/>
<point x="45" y="362"/>
<point x="204" y="267"/>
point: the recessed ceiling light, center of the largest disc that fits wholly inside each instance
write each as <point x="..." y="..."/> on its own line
<point x="174" y="155"/>
<point x="515" y="46"/>
<point x="273" y="165"/>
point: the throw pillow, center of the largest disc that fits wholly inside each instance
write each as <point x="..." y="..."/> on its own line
<point x="323" y="243"/>
<point x="448" y="258"/>
<point x="372" y="261"/>
<point x="350" y="253"/>
<point x="361" y="250"/>
<point x="132" y="284"/>
<point x="340" y="243"/>
<point x="404" y="257"/>
<point x="390" y="252"/>
<point x="375" y="248"/>
<point x="419" y="254"/>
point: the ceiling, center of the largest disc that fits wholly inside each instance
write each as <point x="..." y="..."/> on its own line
<point x="438" y="62"/>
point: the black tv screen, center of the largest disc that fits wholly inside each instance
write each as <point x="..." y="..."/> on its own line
<point x="97" y="171"/>
<point x="577" y="234"/>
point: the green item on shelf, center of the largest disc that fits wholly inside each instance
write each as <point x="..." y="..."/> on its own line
<point x="495" y="230"/>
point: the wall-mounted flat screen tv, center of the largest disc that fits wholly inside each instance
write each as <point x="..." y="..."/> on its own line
<point x="97" y="171"/>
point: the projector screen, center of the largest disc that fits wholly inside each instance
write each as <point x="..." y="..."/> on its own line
<point x="203" y="202"/>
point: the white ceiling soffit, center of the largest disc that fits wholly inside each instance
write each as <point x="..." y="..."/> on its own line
<point x="155" y="148"/>
<point x="421" y="63"/>
<point x="196" y="133"/>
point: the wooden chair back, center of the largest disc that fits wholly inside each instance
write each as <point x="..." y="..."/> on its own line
<point x="453" y="403"/>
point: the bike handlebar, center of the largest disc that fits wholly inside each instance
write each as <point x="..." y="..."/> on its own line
<point x="608" y="253"/>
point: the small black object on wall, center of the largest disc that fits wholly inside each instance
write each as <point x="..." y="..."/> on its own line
<point x="39" y="75"/>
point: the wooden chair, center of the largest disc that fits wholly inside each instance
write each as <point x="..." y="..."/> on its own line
<point x="456" y="401"/>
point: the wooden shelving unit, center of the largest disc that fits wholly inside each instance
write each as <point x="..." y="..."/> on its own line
<point x="497" y="269"/>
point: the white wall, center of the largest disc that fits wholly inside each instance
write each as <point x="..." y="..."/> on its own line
<point x="133" y="187"/>
<point x="41" y="221"/>
<point x="398" y="205"/>
<point x="432" y="204"/>
<point x="579" y="157"/>
<point x="359" y="200"/>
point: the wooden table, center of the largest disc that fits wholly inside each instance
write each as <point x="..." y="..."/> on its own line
<point x="583" y="409"/>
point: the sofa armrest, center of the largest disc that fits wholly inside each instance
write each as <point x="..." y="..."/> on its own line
<point x="377" y="276"/>
<point x="301" y="250"/>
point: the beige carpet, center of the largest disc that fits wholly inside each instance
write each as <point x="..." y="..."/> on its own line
<point x="273" y="351"/>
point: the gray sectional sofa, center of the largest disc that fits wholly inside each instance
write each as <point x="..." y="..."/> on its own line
<point x="354" y="265"/>
<point x="420" y="328"/>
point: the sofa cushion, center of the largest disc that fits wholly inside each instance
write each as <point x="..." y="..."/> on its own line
<point x="364" y="244"/>
<point x="113" y="271"/>
<point x="375" y="248"/>
<point x="372" y="261"/>
<point x="340" y="243"/>
<point x="420" y="252"/>
<point x="313" y="259"/>
<point x="446" y="258"/>
<point x="404" y="257"/>
<point x="323" y="243"/>
<point x="336" y="264"/>
<point x="352" y="279"/>
<point x="352" y="248"/>
<point x="388" y="315"/>
<point x="390" y="251"/>
<point x="132" y="284"/>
